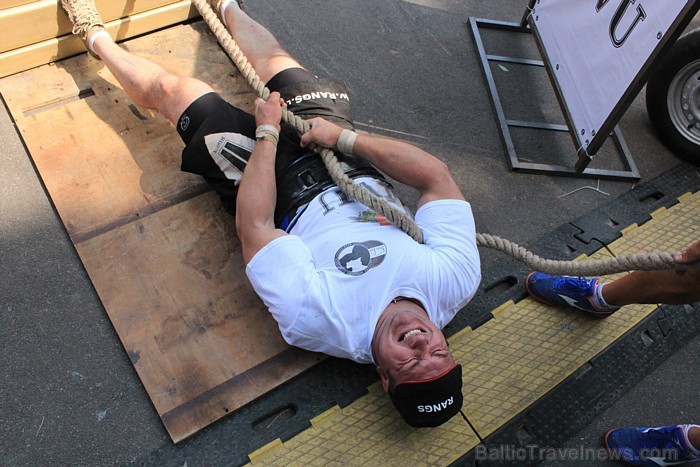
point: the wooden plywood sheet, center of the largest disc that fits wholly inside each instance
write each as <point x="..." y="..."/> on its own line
<point x="175" y="288"/>
<point x="160" y="251"/>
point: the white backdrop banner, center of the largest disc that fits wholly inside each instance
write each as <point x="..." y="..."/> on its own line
<point x="597" y="48"/>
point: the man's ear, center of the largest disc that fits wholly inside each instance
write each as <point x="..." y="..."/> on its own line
<point x="384" y="377"/>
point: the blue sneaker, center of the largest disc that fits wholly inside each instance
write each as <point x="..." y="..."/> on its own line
<point x="577" y="292"/>
<point x="666" y="445"/>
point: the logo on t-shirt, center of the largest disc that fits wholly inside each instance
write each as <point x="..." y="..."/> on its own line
<point x="355" y="259"/>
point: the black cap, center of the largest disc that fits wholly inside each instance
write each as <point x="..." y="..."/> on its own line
<point x="430" y="402"/>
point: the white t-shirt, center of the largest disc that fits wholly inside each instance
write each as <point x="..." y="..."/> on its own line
<point x="327" y="283"/>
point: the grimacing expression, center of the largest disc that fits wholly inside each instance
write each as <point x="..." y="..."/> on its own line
<point x="409" y="346"/>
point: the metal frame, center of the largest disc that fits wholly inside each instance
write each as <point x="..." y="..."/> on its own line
<point x="580" y="169"/>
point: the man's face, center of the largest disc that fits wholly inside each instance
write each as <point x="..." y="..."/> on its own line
<point x="408" y="346"/>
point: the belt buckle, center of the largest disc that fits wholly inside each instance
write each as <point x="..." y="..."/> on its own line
<point x="307" y="179"/>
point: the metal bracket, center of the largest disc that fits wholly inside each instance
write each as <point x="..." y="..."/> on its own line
<point x="580" y="168"/>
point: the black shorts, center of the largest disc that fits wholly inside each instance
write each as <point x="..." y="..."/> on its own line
<point x="220" y="137"/>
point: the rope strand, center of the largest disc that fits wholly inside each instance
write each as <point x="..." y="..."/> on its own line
<point x="641" y="261"/>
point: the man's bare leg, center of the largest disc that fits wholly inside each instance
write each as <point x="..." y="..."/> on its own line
<point x="146" y="83"/>
<point x="260" y="47"/>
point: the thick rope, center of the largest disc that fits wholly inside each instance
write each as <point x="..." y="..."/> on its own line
<point x="596" y="267"/>
<point x="641" y="261"/>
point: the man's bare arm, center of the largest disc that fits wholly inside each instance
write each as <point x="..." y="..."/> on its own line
<point x="401" y="161"/>
<point x="257" y="193"/>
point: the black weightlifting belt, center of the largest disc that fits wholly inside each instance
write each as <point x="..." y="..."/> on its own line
<point x="306" y="177"/>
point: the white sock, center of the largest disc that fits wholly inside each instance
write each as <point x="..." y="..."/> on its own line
<point x="598" y="300"/>
<point x="91" y="40"/>
<point x="223" y="5"/>
<point x="222" y="11"/>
